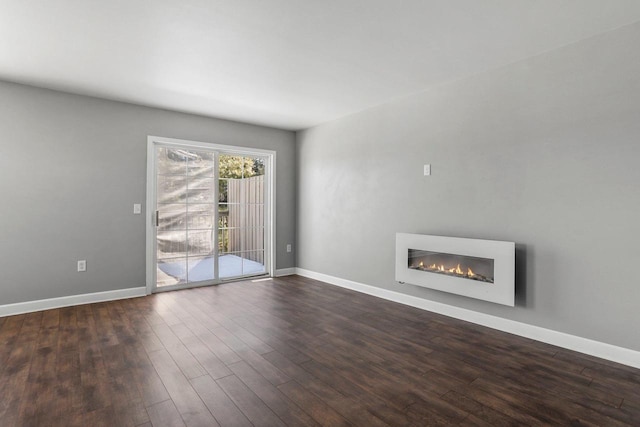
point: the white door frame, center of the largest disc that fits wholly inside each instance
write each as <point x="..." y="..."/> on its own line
<point x="270" y="196"/>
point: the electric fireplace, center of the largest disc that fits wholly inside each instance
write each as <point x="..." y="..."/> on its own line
<point x="481" y="269"/>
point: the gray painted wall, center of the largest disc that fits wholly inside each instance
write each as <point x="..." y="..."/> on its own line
<point x="543" y="152"/>
<point x="71" y="168"/>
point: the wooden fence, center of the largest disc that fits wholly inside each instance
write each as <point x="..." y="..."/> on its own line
<point x="246" y="217"/>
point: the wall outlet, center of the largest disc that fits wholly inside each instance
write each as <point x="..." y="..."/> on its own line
<point x="427" y="170"/>
<point x="288" y="247"/>
<point x="82" y="265"/>
<point x="137" y="208"/>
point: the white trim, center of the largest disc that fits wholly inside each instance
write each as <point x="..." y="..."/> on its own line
<point x="271" y="212"/>
<point x="571" y="342"/>
<point x="228" y="149"/>
<point x="48" y="304"/>
<point x="285" y="272"/>
<point x="150" y="246"/>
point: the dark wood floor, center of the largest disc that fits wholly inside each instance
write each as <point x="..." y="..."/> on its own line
<point x="295" y="352"/>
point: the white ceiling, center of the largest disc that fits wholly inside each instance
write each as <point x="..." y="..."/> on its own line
<point x="290" y="64"/>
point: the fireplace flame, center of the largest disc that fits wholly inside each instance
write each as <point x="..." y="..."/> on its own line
<point x="455" y="270"/>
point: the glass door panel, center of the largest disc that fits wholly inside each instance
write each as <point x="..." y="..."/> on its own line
<point x="241" y="216"/>
<point x="185" y="228"/>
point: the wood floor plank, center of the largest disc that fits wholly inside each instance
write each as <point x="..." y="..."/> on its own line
<point x="377" y="405"/>
<point x="288" y="366"/>
<point x="249" y="403"/>
<point x="68" y="331"/>
<point x="480" y="412"/>
<point x="473" y="421"/>
<point x="556" y="411"/>
<point x="218" y="348"/>
<point x="69" y="384"/>
<point x="293" y="351"/>
<point x="189" y="405"/>
<point x="103" y="417"/>
<point x="126" y="400"/>
<point x="220" y="405"/>
<point x="144" y="375"/>
<point x="214" y="366"/>
<point x="9" y="332"/>
<point x="39" y="398"/>
<point x="313" y="405"/>
<point x="346" y="397"/>
<point x="104" y="325"/>
<point x="274" y="375"/>
<point x="180" y="354"/>
<point x="86" y="327"/>
<point x="630" y="411"/>
<point x="165" y="414"/>
<point x="50" y="330"/>
<point x="13" y="380"/>
<point x="122" y="325"/>
<point x="270" y="335"/>
<point x="286" y="410"/>
<point x="94" y="380"/>
<point x="251" y="340"/>
<point x="32" y="322"/>
<point x="502" y="403"/>
<point x="351" y="408"/>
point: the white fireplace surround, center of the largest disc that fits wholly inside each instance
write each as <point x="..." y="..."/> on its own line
<point x="501" y="291"/>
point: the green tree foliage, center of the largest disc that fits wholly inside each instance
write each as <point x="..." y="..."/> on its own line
<point x="237" y="167"/>
<point x="258" y="166"/>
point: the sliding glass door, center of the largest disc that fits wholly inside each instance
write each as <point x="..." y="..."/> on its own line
<point x="241" y="216"/>
<point x="210" y="217"/>
<point x="185" y="216"/>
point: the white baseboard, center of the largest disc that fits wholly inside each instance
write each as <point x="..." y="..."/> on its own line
<point x="285" y="272"/>
<point x="571" y="342"/>
<point x="47" y="304"/>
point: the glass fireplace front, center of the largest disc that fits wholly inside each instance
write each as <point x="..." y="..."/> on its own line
<point x="461" y="266"/>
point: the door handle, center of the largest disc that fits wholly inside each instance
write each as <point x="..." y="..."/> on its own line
<point x="157" y="218"/>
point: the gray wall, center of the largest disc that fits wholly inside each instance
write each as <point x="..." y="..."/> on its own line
<point x="71" y="168"/>
<point x="544" y="152"/>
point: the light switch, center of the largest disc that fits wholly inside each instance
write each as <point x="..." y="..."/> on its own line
<point x="137" y="208"/>
<point x="427" y="170"/>
<point x="289" y="247"/>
